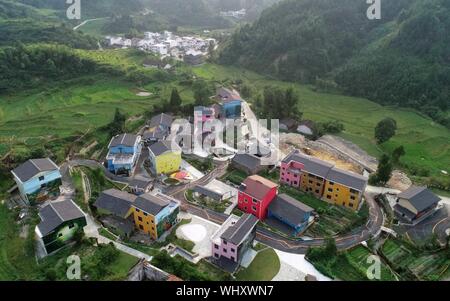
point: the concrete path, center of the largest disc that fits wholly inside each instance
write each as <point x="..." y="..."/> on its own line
<point x="294" y="267"/>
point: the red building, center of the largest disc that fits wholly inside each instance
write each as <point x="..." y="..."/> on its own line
<point x="255" y="195"/>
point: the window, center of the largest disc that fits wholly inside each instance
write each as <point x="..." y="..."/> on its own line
<point x="225" y="250"/>
<point x="245" y="208"/>
<point x="232" y="250"/>
<point x="245" y="201"/>
<point x="353" y="191"/>
<point x="352" y="198"/>
<point x="224" y="242"/>
<point x="216" y="255"/>
<point x="330" y="189"/>
<point x="329" y="197"/>
<point x="318" y="184"/>
<point x="137" y="210"/>
<point x="331" y="183"/>
<point x="145" y="214"/>
<point x="139" y="218"/>
<point x="255" y="201"/>
<point x="141" y="227"/>
<point x="254" y="208"/>
<point x="41" y="178"/>
<point x="317" y="191"/>
<point x="310" y="182"/>
<point x="295" y="182"/>
<point x="351" y="204"/>
<point x="216" y="246"/>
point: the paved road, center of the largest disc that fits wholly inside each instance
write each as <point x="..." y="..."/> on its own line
<point x="372" y="228"/>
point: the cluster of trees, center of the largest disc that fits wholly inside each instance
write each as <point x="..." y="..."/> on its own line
<point x="180" y="267"/>
<point x="386" y="165"/>
<point x="276" y="103"/>
<point x="30" y="31"/>
<point x="133" y="25"/>
<point x="401" y="59"/>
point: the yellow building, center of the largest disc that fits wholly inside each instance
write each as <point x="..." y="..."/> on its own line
<point x="323" y="180"/>
<point x="165" y="157"/>
<point x="344" y="188"/>
<point x="154" y="214"/>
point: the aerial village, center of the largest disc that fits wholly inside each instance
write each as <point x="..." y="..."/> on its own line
<point x="192" y="50"/>
<point x="216" y="204"/>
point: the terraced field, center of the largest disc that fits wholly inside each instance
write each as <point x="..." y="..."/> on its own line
<point x="412" y="262"/>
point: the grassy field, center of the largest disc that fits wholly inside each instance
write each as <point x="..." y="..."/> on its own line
<point x="94" y="28"/>
<point x="427" y="144"/>
<point x="415" y="264"/>
<point x="351" y="265"/>
<point x="264" y="267"/>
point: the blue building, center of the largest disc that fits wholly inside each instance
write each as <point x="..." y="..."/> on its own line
<point x="291" y="212"/>
<point x="231" y="103"/>
<point x="124" y="151"/>
<point x="37" y="179"/>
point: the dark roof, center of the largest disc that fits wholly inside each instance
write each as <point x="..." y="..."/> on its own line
<point x="32" y="167"/>
<point x="161" y="119"/>
<point x="163" y="146"/>
<point x="140" y="183"/>
<point x="123" y="139"/>
<point x="402" y="210"/>
<point x="420" y="197"/>
<point x="347" y="178"/>
<point x="150" y="203"/>
<point x="247" y="160"/>
<point x="237" y="233"/>
<point x="56" y="213"/>
<point x="311" y="165"/>
<point x="115" y="201"/>
<point x="257" y="186"/>
<point x="208" y="192"/>
<point x="156" y="133"/>
<point x="292" y="210"/>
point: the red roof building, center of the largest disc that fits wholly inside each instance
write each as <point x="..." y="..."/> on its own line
<point x="255" y="195"/>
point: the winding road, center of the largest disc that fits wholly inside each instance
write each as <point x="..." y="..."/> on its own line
<point x="370" y="229"/>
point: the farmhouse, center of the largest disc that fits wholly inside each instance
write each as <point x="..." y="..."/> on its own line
<point x="232" y="240"/>
<point x="291" y="212"/>
<point x="231" y="103"/>
<point x="209" y="193"/>
<point x="60" y="221"/>
<point x="159" y="128"/>
<point x="255" y="195"/>
<point x="165" y="157"/>
<point x="155" y="214"/>
<point x="124" y="151"/>
<point x="415" y="204"/>
<point x="37" y="180"/>
<point x="323" y="180"/>
<point x="248" y="163"/>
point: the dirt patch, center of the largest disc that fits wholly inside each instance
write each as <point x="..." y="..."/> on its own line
<point x="399" y="180"/>
<point x="342" y="153"/>
<point x="86" y="149"/>
<point x="144" y="94"/>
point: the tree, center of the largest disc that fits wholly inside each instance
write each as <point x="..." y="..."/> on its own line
<point x="385" y="130"/>
<point x="175" y="100"/>
<point x="201" y="93"/>
<point x="397" y="153"/>
<point x="384" y="171"/>
<point x="330" y="247"/>
<point x="117" y="126"/>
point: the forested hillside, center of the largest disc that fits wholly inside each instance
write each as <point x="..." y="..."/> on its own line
<point x="402" y="59"/>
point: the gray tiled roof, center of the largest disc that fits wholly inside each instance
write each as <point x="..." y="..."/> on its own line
<point x="150" y="203"/>
<point x="163" y="146"/>
<point x="347" y="178"/>
<point x="247" y="160"/>
<point x="123" y="139"/>
<point x="115" y="201"/>
<point x="32" y="167"/>
<point x="290" y="209"/>
<point x="420" y="197"/>
<point x="56" y="213"/>
<point x="257" y="186"/>
<point x="208" y="192"/>
<point x="161" y="119"/>
<point x="237" y="233"/>
<point x="312" y="165"/>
